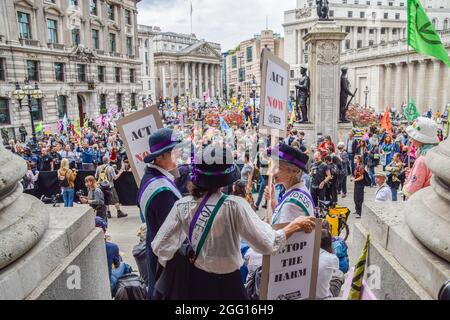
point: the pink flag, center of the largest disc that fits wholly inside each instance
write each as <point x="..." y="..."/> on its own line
<point x="99" y="121"/>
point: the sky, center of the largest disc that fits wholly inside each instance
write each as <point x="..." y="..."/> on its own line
<point x="227" y="22"/>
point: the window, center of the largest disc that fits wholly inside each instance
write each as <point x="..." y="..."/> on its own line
<point x="36" y="109"/>
<point x="370" y="42"/>
<point x="132" y="75"/>
<point x="52" y="31"/>
<point x="59" y="71"/>
<point x="95" y="39"/>
<point x="75" y="37"/>
<point x="128" y="17"/>
<point x="103" y="104"/>
<point x="33" y="70"/>
<point x="118" y="71"/>
<point x="379" y="3"/>
<point x="149" y="85"/>
<point x="368" y="3"/>
<point x="93" y="7"/>
<point x="101" y="73"/>
<point x="390" y="3"/>
<point x="119" y="102"/>
<point x="5" y="117"/>
<point x="62" y="106"/>
<point x="146" y="44"/>
<point x="2" y="69"/>
<point x="347" y="44"/>
<point x="402" y="4"/>
<point x="331" y="13"/>
<point x="386" y="15"/>
<point x="362" y="14"/>
<point x="397" y="16"/>
<point x="344" y="1"/>
<point x="356" y="1"/>
<point x="234" y="62"/>
<point x="130" y="46"/>
<point x="350" y="14"/>
<point x="241" y="74"/>
<point x="74" y="2"/>
<point x="112" y="43"/>
<point x="133" y="100"/>
<point x="446" y="25"/>
<point x="434" y="22"/>
<point x="359" y="44"/>
<point x="292" y="74"/>
<point x="24" y="25"/>
<point x="394" y="31"/>
<point x="383" y="30"/>
<point x="81" y="72"/>
<point x="371" y="31"/>
<point x="111" y="12"/>
<point x="360" y="29"/>
<point x="374" y="15"/>
<point x="249" y="54"/>
<point x="347" y="29"/>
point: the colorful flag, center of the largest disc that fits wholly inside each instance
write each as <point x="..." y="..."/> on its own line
<point x="358" y="276"/>
<point x="421" y="33"/>
<point x="64" y="122"/>
<point x="86" y="123"/>
<point x="77" y="128"/>
<point x="99" y="121"/>
<point x="386" y="121"/>
<point x="293" y="117"/>
<point x="39" y="127"/>
<point x="410" y="112"/>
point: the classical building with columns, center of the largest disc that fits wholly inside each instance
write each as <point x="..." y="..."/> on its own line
<point x="381" y="73"/>
<point x="183" y="65"/>
<point x="243" y="63"/>
<point x="368" y="23"/>
<point x="82" y="54"/>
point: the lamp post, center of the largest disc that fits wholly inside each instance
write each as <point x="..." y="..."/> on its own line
<point x="366" y="93"/>
<point x="30" y="92"/>
<point x="254" y="86"/>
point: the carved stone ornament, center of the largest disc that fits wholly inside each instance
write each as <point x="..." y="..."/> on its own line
<point x="303" y="13"/>
<point x="204" y="51"/>
<point x="327" y="52"/>
<point x="83" y="54"/>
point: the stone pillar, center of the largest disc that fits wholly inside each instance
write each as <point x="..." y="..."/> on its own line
<point x="388" y="86"/>
<point x="398" y="85"/>
<point x="219" y="81"/>
<point x="421" y="86"/>
<point x="200" y="81"/>
<point x="207" y="79"/>
<point x="445" y="93"/>
<point x="164" y="80"/>
<point x="427" y="212"/>
<point x="178" y="79"/>
<point x="324" y="45"/>
<point x="412" y="83"/>
<point x="186" y="77"/>
<point x="212" y="71"/>
<point x="436" y="79"/>
<point x="194" y="80"/>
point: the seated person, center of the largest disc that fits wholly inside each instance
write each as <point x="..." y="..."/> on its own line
<point x="328" y="265"/>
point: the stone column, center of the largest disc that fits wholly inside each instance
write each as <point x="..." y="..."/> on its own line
<point x="388" y="86"/>
<point x="436" y="79"/>
<point x="445" y="93"/>
<point x="324" y="45"/>
<point x="398" y="85"/>
<point x="207" y="88"/>
<point x="412" y="83"/>
<point x="194" y="80"/>
<point x="200" y="80"/>
<point x="164" y="80"/>
<point x="178" y="79"/>
<point x="186" y="77"/>
<point x="213" y="80"/>
<point x="420" y="87"/>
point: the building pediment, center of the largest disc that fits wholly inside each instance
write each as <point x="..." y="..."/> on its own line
<point x="201" y="49"/>
<point x="25" y="3"/>
<point x="96" y="21"/>
<point x="114" y="26"/>
<point x="53" y="9"/>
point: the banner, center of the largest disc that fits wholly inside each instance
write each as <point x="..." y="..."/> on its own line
<point x="135" y="130"/>
<point x="274" y="94"/>
<point x="291" y="274"/>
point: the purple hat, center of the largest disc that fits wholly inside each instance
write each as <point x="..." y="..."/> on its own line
<point x="289" y="154"/>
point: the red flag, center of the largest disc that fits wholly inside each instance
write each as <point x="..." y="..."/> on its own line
<point x="386" y="121"/>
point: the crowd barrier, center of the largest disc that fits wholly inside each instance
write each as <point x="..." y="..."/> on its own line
<point x="47" y="185"/>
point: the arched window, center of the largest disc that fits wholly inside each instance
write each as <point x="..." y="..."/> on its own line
<point x="446" y="24"/>
<point x="5" y="117"/>
<point x="434" y="22"/>
<point x="62" y="106"/>
<point x="146" y="44"/>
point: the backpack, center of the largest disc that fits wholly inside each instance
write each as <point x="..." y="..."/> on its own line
<point x="334" y="170"/>
<point x="340" y="249"/>
<point x="103" y="174"/>
<point x="107" y="192"/>
<point x="367" y="180"/>
<point x="253" y="284"/>
<point x="130" y="287"/>
<point x="63" y="182"/>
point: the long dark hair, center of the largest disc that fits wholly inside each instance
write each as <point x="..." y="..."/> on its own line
<point x="198" y="192"/>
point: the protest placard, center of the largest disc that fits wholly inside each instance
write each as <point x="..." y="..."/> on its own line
<point x="274" y="95"/>
<point x="291" y="274"/>
<point x="135" y="130"/>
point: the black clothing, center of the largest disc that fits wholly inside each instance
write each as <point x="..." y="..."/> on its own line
<point x="318" y="173"/>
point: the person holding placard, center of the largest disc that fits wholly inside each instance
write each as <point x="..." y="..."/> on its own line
<point x="158" y="192"/>
<point x="214" y="225"/>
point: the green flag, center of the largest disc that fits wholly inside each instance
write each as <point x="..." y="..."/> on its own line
<point x="410" y="112"/>
<point x="421" y="34"/>
<point x="39" y="127"/>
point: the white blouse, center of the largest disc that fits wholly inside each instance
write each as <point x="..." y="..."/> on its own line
<point x="221" y="252"/>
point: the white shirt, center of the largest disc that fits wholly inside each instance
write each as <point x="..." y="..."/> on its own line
<point x="221" y="253"/>
<point x="328" y="263"/>
<point x="384" y="194"/>
<point x="290" y="211"/>
<point x="163" y="171"/>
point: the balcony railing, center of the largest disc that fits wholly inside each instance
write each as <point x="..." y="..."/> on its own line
<point x="57" y="46"/>
<point x="100" y="52"/>
<point x="29" y="42"/>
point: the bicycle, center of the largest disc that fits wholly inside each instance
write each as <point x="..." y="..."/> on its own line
<point x="337" y="218"/>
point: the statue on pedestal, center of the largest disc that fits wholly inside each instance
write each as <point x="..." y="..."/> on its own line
<point x="322" y="9"/>
<point x="345" y="92"/>
<point x="302" y="96"/>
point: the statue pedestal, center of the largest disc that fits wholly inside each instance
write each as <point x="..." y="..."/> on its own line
<point x="324" y="49"/>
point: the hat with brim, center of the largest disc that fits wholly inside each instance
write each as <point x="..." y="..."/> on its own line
<point x="381" y="174"/>
<point x="221" y="173"/>
<point x="289" y="154"/>
<point x="423" y="130"/>
<point x="160" y="142"/>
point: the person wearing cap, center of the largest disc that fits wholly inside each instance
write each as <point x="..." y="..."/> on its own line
<point x="214" y="225"/>
<point x="423" y="135"/>
<point x="384" y="192"/>
<point x="158" y="192"/>
<point x="288" y="171"/>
